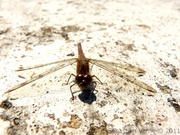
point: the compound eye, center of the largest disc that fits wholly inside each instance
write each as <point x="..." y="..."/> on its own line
<point x="79" y="78"/>
<point x="88" y="78"/>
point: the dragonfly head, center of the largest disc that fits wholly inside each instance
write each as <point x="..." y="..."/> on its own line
<point x="83" y="81"/>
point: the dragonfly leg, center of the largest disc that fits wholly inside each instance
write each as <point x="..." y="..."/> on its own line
<point x="72" y="98"/>
<point x="69" y="79"/>
<point x="99" y="81"/>
<point x="94" y="86"/>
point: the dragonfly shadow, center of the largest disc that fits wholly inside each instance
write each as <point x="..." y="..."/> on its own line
<point x="88" y="95"/>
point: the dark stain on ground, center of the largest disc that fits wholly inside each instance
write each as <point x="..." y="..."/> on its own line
<point x="174" y="104"/>
<point x="62" y="132"/>
<point x="16" y="118"/>
<point x="75" y="122"/>
<point x="126" y="47"/>
<point x="173" y="72"/>
<point x="71" y="28"/>
<point x="4" y="30"/>
<point x="144" y="26"/>
<point x="95" y="130"/>
<point x="6" y="104"/>
<point x="171" y="69"/>
<point x="67" y="29"/>
<point x="165" y="89"/>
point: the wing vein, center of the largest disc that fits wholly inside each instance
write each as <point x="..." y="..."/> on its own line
<point x="60" y="65"/>
<point x="121" y="74"/>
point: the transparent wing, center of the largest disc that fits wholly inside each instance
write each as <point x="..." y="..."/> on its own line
<point x="43" y="65"/>
<point x="119" y="70"/>
<point x="59" y="65"/>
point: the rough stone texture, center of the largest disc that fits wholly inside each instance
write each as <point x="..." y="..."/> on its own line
<point x="142" y="33"/>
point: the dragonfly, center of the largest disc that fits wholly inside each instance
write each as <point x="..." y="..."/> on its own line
<point x="83" y="78"/>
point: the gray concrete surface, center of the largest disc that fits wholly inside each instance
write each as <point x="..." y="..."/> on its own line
<point x="139" y="32"/>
